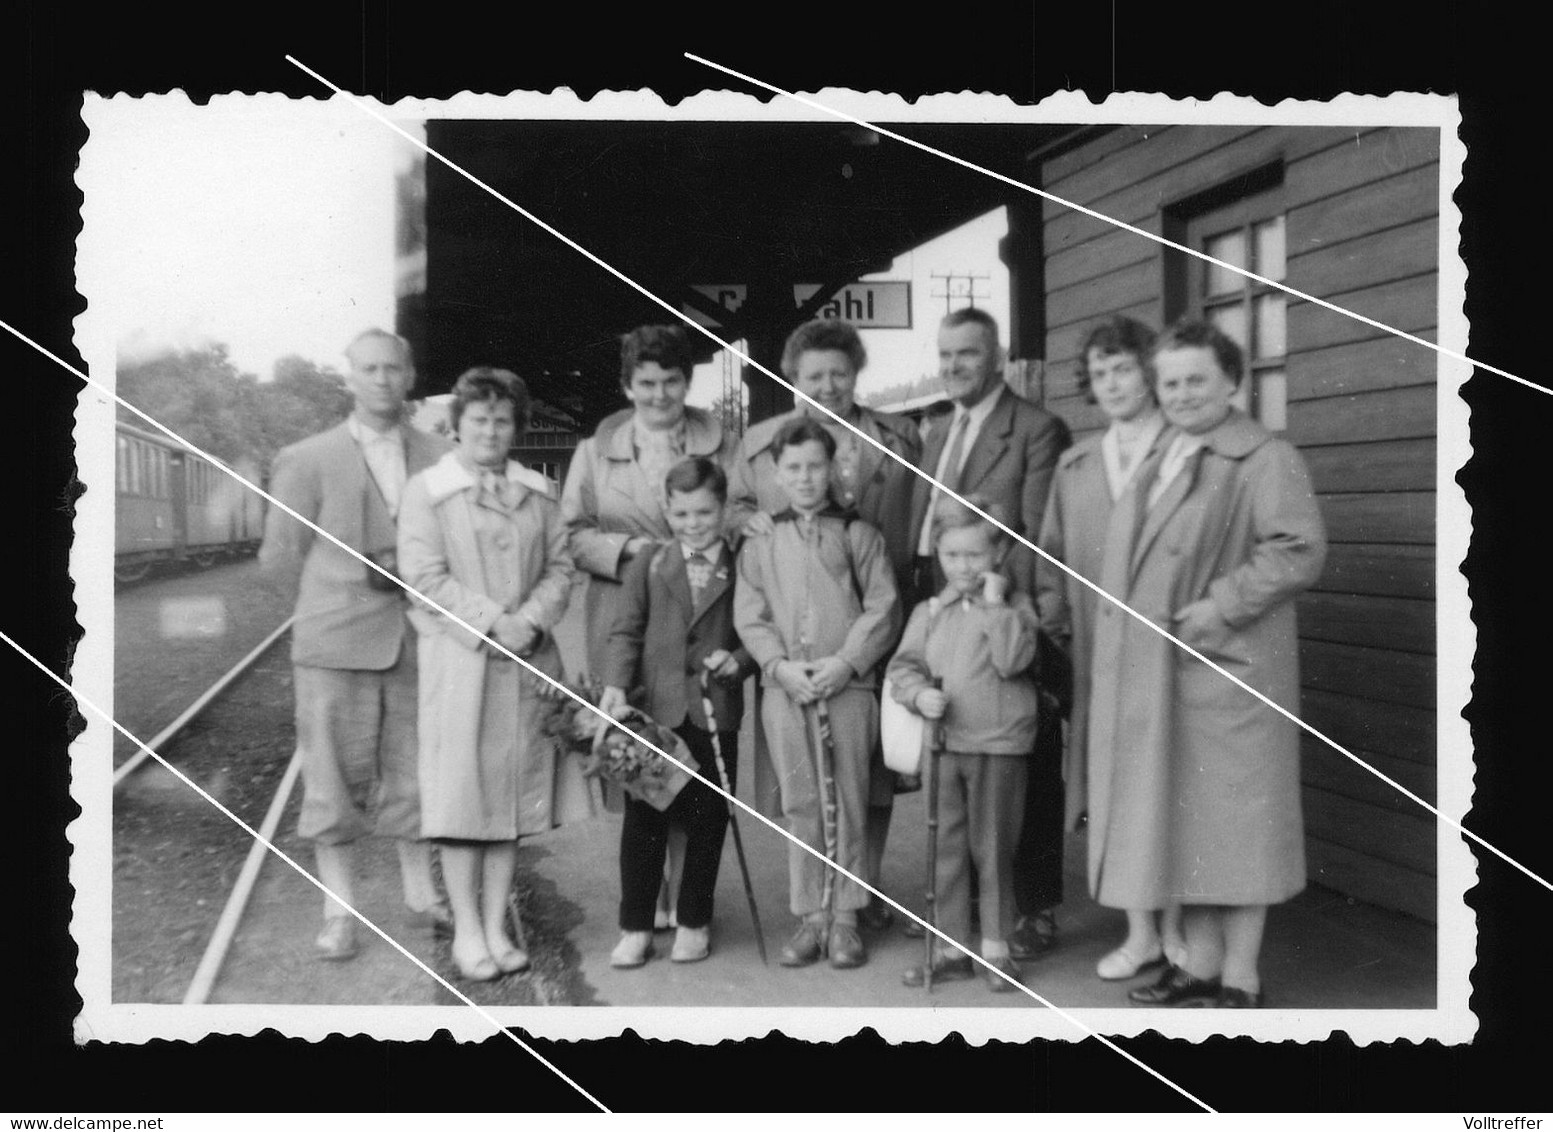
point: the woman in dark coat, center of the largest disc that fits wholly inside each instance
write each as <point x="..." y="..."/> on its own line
<point x="1213" y="541"/>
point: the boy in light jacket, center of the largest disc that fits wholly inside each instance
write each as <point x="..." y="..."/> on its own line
<point x="816" y="607"/>
<point x="979" y="641"/>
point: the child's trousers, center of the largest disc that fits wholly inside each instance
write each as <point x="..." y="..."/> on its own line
<point x="644" y="836"/>
<point x="792" y="733"/>
<point x="981" y="802"/>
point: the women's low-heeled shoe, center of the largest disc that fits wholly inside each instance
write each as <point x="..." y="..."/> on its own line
<point x="1177" y="988"/>
<point x="483" y="970"/>
<point x="1122" y="964"/>
<point x="511" y="962"/>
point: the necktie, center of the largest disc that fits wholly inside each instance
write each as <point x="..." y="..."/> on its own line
<point x="956" y="452"/>
<point x="699" y="567"/>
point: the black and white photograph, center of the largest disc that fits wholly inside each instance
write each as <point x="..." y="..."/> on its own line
<point x="872" y="486"/>
<point x="953" y="576"/>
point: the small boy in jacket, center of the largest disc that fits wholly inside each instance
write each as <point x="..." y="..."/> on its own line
<point x="816" y="606"/>
<point x="674" y="623"/>
<point x="979" y="642"/>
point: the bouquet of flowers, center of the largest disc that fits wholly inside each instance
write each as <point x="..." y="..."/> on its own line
<point x="618" y="754"/>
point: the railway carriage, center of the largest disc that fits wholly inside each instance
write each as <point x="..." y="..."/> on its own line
<point x="172" y="505"/>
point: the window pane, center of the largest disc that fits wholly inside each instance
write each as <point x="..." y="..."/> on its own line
<point x="123" y="464"/>
<point x="1269" y="248"/>
<point x="1272" y="407"/>
<point x="1231" y="248"/>
<point x="1230" y="318"/>
<point x="1271" y="339"/>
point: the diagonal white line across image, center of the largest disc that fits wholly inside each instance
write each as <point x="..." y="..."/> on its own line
<point x="1123" y="225"/>
<point x="939" y="487"/>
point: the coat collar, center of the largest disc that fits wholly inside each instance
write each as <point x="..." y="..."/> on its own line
<point x="703" y="434"/>
<point x="829" y="511"/>
<point x="1235" y="437"/>
<point x="670" y="564"/>
<point x="448" y="476"/>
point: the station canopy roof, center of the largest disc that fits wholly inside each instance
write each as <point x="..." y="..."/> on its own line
<point x="671" y="205"/>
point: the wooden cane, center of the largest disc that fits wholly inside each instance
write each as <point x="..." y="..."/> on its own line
<point x="733" y="819"/>
<point x="825" y="758"/>
<point x="935" y="745"/>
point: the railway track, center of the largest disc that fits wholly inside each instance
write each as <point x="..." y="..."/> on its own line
<point x="208" y="971"/>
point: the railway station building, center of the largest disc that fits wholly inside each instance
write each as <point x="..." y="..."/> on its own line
<point x="1349" y="215"/>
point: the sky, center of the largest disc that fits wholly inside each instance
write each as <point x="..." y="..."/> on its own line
<point x="897" y="356"/>
<point x="267" y="224"/>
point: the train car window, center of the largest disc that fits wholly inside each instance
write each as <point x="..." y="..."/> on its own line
<point x="122" y="465"/>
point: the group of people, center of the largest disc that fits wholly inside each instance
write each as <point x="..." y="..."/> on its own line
<point x="812" y="556"/>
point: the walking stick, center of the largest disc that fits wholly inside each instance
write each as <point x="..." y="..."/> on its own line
<point x="733" y="820"/>
<point x="934" y="746"/>
<point x="826" y="757"/>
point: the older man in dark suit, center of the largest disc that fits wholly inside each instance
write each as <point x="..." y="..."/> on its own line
<point x="352" y="647"/>
<point x="1003" y="448"/>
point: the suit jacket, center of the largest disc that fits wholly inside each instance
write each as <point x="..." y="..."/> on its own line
<point x="883" y="485"/>
<point x="342" y="622"/>
<point x="1011" y="463"/>
<point x="658" y="639"/>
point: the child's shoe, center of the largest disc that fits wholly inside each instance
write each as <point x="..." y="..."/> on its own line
<point x="633" y="950"/>
<point x="946" y="969"/>
<point x="1008" y="967"/>
<point x="807" y="945"/>
<point x="691" y="945"/>
<point x="846" y="947"/>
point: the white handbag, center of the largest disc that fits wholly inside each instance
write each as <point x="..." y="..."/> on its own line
<point x="902" y="733"/>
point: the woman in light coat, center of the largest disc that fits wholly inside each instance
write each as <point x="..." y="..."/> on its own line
<point x="1091" y="477"/>
<point x="614" y="501"/>
<point x="481" y="535"/>
<point x="1199" y="779"/>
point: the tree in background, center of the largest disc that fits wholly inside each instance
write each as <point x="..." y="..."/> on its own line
<point x="207" y="400"/>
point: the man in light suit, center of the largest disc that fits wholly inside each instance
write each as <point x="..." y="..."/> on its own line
<point x="352" y="646"/>
<point x="1004" y="448"/>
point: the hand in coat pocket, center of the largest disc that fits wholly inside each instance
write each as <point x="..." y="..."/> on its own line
<point x="1202" y="626"/>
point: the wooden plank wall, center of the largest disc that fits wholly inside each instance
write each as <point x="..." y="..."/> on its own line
<point x="1362" y="231"/>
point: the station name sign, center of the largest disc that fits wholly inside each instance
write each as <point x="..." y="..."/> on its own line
<point x="879" y="305"/>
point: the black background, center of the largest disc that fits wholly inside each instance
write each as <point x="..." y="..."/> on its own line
<point x="1311" y="50"/>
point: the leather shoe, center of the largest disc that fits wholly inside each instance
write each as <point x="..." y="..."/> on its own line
<point x="1009" y="968"/>
<point x="1033" y="936"/>
<point x="337" y="942"/>
<point x="807" y="945"/>
<point x="1177" y="988"/>
<point x="846" y="947"/>
<point x="1122" y="964"/>
<point x="876" y="917"/>
<point x="1232" y="998"/>
<point x="945" y="970"/>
